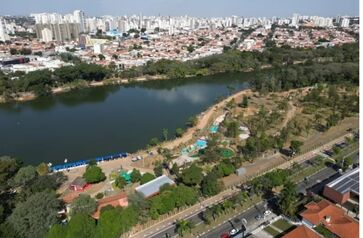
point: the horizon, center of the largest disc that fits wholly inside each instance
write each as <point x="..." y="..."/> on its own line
<point x="200" y="9"/>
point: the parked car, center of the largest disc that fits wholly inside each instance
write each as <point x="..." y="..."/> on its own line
<point x="225" y="235"/>
<point x="267" y="212"/>
<point x="233" y="232"/>
<point x="259" y="217"/>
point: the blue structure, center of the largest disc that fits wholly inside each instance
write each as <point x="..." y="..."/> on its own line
<point x="70" y="165"/>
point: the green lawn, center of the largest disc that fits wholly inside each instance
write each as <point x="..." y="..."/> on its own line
<point x="271" y="231"/>
<point x="282" y="225"/>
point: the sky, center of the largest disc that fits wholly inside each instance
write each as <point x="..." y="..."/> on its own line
<point x="202" y="8"/>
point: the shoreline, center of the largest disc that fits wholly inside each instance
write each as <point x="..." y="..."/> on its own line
<point x="204" y="119"/>
<point x="28" y="96"/>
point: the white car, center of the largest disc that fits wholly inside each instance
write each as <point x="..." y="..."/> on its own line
<point x="233" y="232"/>
<point x="267" y="212"/>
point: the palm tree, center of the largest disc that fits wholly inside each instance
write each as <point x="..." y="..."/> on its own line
<point x="288" y="198"/>
<point x="183" y="226"/>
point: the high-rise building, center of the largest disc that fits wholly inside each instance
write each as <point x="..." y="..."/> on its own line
<point x="60" y="32"/>
<point x="79" y="17"/>
<point x="345" y="22"/>
<point x="295" y="19"/>
<point x="3" y="35"/>
<point x="47" y="35"/>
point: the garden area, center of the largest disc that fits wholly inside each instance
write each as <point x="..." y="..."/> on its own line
<point x="279" y="228"/>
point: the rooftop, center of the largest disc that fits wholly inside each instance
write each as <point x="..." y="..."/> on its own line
<point x="347" y="182"/>
<point x="119" y="199"/>
<point x="151" y="188"/>
<point x="302" y="232"/>
<point x="332" y="217"/>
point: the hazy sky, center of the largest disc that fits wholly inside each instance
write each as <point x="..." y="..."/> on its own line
<point x="247" y="8"/>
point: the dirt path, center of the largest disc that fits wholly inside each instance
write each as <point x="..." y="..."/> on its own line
<point x="289" y="115"/>
<point x="204" y="119"/>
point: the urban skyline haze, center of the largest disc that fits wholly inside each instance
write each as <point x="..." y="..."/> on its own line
<point x="202" y="8"/>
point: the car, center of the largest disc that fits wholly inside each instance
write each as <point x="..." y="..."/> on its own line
<point x="134" y="159"/>
<point x="267" y="212"/>
<point x="329" y="153"/>
<point x="233" y="232"/>
<point x="259" y="217"/>
<point x="266" y="223"/>
<point x="225" y="235"/>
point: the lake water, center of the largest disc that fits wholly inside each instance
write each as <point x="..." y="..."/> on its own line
<point x="99" y="121"/>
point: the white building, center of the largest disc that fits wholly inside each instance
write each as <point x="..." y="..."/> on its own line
<point x="345" y="23"/>
<point x="98" y="48"/>
<point x="47" y="35"/>
<point x="79" y="17"/>
<point x="295" y="19"/>
<point x="3" y="35"/>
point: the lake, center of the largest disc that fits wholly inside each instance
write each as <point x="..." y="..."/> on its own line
<point x="98" y="121"/>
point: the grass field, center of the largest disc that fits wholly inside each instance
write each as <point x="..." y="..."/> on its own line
<point x="271" y="231"/>
<point x="282" y="225"/>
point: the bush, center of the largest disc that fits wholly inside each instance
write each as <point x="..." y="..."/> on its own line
<point x="94" y="174"/>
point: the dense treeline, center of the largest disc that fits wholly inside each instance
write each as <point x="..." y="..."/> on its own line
<point x="28" y="202"/>
<point x="40" y="82"/>
<point x="234" y="60"/>
<point x="297" y="76"/>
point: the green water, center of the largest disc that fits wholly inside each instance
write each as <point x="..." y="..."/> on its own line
<point x="98" y="121"/>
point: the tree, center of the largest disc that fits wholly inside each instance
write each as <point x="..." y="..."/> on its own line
<point x="183" y="227"/>
<point x="110" y="223"/>
<point x="25" y="51"/>
<point x="146" y="177"/>
<point x="288" y="199"/>
<point x="165" y="134"/>
<point x="296" y="145"/>
<point x="175" y="169"/>
<point x="192" y="175"/>
<point x="114" y="56"/>
<point x="179" y="132"/>
<point x="25" y="175"/>
<point x="244" y="103"/>
<point x="13" y="51"/>
<point x="232" y="129"/>
<point x="210" y="185"/>
<point x="158" y="170"/>
<point x="83" y="204"/>
<point x="42" y="169"/>
<point x="34" y="217"/>
<point x="120" y="182"/>
<point x="101" y="57"/>
<point x="192" y="121"/>
<point x="190" y="48"/>
<point x="94" y="174"/>
<point x="57" y="231"/>
<point x="81" y="226"/>
<point x="135" y="176"/>
<point x="154" y="141"/>
<point x="8" y="168"/>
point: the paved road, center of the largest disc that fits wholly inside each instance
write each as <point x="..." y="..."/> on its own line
<point x="251" y="213"/>
<point x="314" y="183"/>
<point x="167" y="225"/>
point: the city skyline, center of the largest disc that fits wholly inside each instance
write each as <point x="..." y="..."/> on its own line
<point x="202" y="8"/>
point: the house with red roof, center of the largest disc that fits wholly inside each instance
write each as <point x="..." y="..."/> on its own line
<point x="302" y="232"/>
<point x="330" y="217"/>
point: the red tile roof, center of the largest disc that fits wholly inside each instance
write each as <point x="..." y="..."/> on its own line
<point x="114" y="200"/>
<point x="302" y="232"/>
<point x="339" y="223"/>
